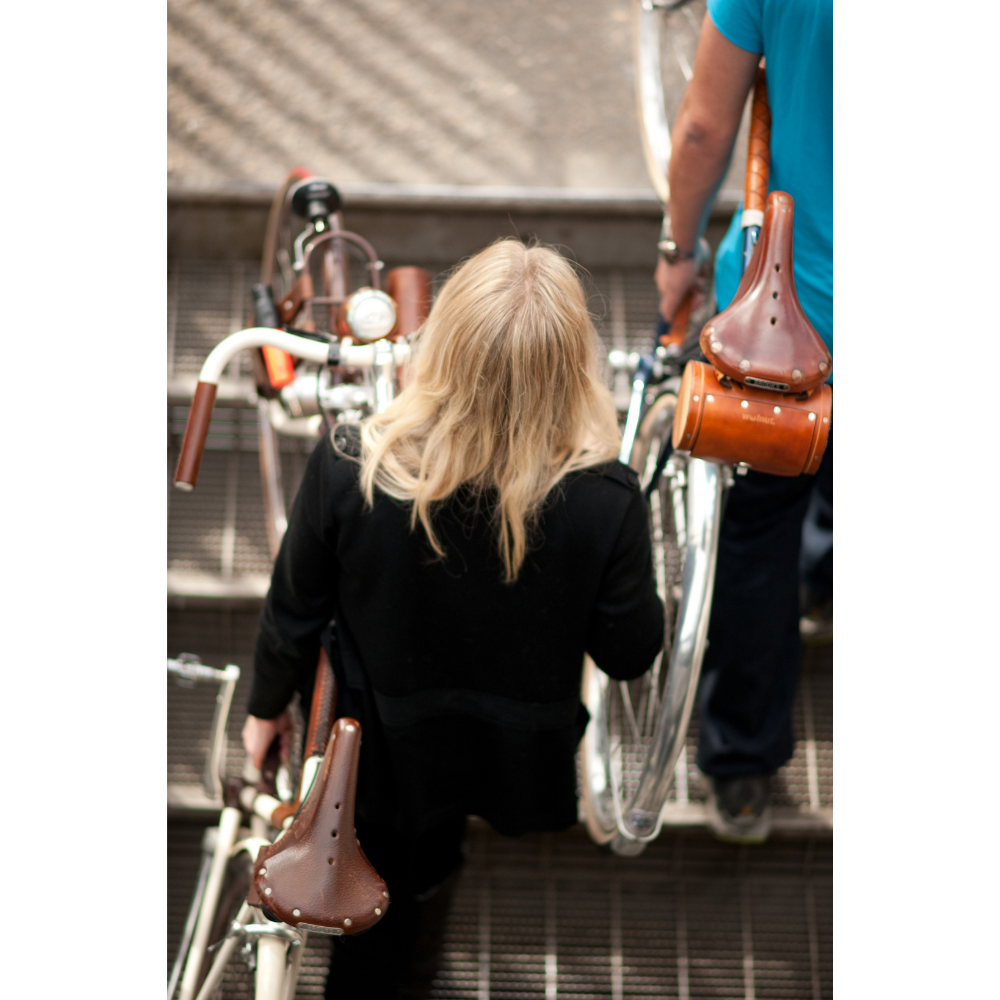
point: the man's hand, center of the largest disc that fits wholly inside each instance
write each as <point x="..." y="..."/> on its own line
<point x="673" y="281"/>
<point x="259" y="734"/>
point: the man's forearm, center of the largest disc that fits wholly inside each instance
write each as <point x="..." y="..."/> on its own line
<point x="697" y="164"/>
<point x="705" y="130"/>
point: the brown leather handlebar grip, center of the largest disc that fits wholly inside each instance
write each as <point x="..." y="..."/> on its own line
<point x="324" y="704"/>
<point x="679" y="324"/>
<point x="193" y="446"/>
<point x="759" y="147"/>
<point x="410" y="288"/>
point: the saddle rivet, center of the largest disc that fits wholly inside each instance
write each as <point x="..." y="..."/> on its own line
<point x="695" y="398"/>
<point x="796" y="375"/>
<point x="385" y="894"/>
<point x="716" y="346"/>
<point x="296" y="913"/>
<point x="263" y="871"/>
<point x="744" y="404"/>
<point x="710" y="398"/>
<point x="347" y="921"/>
<point x="812" y="416"/>
<point x="378" y="912"/>
<point x="826" y="420"/>
<point x="777" y="410"/>
<point x="744" y="365"/>
<point x="267" y="891"/>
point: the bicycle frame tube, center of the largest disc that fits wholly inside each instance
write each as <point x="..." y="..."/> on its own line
<point x="635" y="409"/>
<point x="229" y="828"/>
<point x="192" y="919"/>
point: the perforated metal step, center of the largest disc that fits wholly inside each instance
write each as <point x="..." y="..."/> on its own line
<point x="553" y="916"/>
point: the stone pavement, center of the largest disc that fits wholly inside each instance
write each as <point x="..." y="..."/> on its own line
<point x="532" y="93"/>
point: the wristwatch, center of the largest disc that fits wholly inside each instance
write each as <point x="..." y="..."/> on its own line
<point x="672" y="253"/>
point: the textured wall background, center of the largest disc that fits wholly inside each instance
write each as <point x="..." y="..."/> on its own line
<point x="514" y="92"/>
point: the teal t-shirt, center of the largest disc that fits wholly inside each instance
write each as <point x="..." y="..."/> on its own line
<point x="796" y="37"/>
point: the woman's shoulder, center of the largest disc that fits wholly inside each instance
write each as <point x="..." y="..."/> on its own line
<point x="612" y="472"/>
<point x="345" y="441"/>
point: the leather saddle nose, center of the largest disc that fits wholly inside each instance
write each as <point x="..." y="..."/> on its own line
<point x="763" y="338"/>
<point x="316" y="876"/>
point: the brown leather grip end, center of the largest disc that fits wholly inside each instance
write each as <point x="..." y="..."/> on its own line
<point x="759" y="147"/>
<point x="679" y="324"/>
<point x="410" y="288"/>
<point x="195" y="433"/>
<point x="324" y="705"/>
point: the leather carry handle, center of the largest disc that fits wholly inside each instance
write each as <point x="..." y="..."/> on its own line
<point x="324" y="705"/>
<point x="758" y="148"/>
<point x="193" y="446"/>
<point x="410" y="288"/>
<point x="677" y="330"/>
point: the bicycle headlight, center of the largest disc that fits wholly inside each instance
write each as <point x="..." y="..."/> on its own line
<point x="367" y="315"/>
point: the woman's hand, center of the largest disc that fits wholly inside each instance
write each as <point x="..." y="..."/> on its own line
<point x="259" y="734"/>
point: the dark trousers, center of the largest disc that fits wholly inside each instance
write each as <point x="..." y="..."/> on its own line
<point x="752" y="663"/>
<point x="397" y="958"/>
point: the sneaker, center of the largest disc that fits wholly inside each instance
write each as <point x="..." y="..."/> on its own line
<point x="816" y="623"/>
<point x="739" y="809"/>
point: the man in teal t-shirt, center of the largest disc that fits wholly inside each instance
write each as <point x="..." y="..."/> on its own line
<point x="751" y="666"/>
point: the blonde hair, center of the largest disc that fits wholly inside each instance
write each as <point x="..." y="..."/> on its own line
<point x="503" y="394"/>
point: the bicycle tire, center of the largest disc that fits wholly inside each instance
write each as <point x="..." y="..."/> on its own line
<point x="637" y="728"/>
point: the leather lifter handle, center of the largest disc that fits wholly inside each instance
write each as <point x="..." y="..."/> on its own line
<point x="195" y="433"/>
<point x="679" y="324"/>
<point x="410" y="288"/>
<point x="759" y="147"/>
<point x="324" y="704"/>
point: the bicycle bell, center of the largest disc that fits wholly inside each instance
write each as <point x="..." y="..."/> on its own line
<point x="367" y="315"/>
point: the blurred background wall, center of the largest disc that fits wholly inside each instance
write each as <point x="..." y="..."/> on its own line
<point x="532" y="93"/>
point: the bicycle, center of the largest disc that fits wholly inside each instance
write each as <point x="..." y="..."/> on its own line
<point x="232" y="903"/>
<point x="689" y="427"/>
<point x="305" y="286"/>
<point x="355" y="373"/>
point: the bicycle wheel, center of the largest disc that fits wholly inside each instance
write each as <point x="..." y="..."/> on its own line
<point x="637" y="728"/>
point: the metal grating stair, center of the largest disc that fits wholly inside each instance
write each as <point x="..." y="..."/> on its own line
<point x="551" y="915"/>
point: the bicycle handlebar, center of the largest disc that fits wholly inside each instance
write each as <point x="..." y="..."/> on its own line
<point x="200" y="417"/>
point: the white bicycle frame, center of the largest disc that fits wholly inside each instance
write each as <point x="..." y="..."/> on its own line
<point x="279" y="946"/>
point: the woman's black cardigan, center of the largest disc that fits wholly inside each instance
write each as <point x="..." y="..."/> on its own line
<point x="467" y="688"/>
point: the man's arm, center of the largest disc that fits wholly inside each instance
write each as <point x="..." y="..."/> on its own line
<point x="702" y="139"/>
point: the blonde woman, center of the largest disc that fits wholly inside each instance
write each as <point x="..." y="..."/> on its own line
<point x="471" y="543"/>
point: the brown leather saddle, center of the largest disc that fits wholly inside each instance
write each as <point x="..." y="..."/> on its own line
<point x="316" y="876"/>
<point x="763" y="338"/>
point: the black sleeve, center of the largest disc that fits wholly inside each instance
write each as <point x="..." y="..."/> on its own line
<point x="626" y="629"/>
<point x="302" y="596"/>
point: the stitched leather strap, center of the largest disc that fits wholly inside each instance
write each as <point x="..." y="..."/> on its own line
<point x="759" y="147"/>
